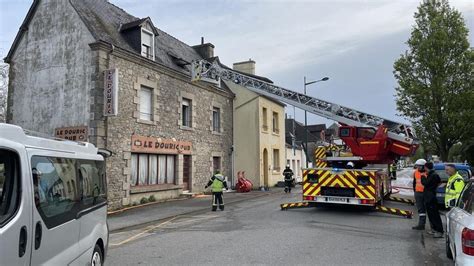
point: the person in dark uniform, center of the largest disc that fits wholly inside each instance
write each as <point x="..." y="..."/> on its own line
<point x="217" y="184"/>
<point x="431" y="183"/>
<point x="288" y="174"/>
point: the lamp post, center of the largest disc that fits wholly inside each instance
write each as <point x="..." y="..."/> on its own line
<point x="306" y="117"/>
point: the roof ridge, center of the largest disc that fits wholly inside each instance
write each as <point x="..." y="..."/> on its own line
<point x="123" y="10"/>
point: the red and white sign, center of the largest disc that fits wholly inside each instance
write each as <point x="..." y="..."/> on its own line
<point x="111" y="92"/>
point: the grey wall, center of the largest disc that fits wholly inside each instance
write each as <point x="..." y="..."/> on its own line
<point x="51" y="71"/>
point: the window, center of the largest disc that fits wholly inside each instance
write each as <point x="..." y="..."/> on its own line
<point x="365" y="133"/>
<point x="9" y="185"/>
<point x="186" y="113"/>
<point x="153" y="169"/>
<point x="216" y="164"/>
<point x="146" y="103"/>
<point x="444" y="177"/>
<point x="264" y="117"/>
<point x="91" y="182"/>
<point x="275" y="123"/>
<point x="467" y="198"/>
<point x="276" y="160"/>
<point x="147" y="44"/>
<point x="57" y="197"/>
<point x="216" y="119"/>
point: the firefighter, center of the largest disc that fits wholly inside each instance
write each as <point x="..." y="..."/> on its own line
<point x="288" y="174"/>
<point x="430" y="184"/>
<point x="418" y="190"/>
<point x="217" y="183"/>
<point x="393" y="171"/>
<point x="454" y="186"/>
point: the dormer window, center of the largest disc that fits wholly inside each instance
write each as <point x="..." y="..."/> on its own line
<point x="148" y="43"/>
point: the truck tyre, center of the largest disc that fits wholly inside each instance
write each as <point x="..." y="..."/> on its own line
<point x="97" y="257"/>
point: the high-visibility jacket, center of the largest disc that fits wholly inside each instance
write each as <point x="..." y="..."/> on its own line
<point x="393" y="168"/>
<point x="453" y="188"/>
<point x="418" y="186"/>
<point x="217" y="183"/>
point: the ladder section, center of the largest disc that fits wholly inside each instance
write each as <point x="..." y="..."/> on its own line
<point x="212" y="72"/>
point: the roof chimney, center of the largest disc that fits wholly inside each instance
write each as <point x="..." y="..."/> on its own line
<point x="247" y="67"/>
<point x="206" y="50"/>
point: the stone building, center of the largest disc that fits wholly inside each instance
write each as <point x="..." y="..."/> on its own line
<point x="87" y="70"/>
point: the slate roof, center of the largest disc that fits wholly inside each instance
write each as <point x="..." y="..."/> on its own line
<point x="104" y="20"/>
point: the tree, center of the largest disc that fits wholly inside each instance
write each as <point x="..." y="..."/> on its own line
<point x="3" y="90"/>
<point x="435" y="78"/>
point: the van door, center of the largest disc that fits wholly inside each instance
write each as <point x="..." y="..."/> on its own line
<point x="93" y="217"/>
<point x="15" y="208"/>
<point x="57" y="203"/>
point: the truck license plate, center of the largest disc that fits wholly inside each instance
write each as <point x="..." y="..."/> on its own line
<point x="331" y="199"/>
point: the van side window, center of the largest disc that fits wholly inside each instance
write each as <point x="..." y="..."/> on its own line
<point x="92" y="182"/>
<point x="55" y="201"/>
<point x="9" y="185"/>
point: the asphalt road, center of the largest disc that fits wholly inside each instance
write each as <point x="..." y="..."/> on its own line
<point x="258" y="232"/>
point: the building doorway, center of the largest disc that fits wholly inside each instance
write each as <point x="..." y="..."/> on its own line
<point x="265" y="167"/>
<point x="187" y="163"/>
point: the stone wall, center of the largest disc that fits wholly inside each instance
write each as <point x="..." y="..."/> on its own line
<point x="168" y="90"/>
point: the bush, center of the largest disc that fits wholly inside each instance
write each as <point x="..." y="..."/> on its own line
<point x="152" y="198"/>
<point x="143" y="200"/>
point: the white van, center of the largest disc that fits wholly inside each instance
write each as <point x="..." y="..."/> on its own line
<point x="53" y="204"/>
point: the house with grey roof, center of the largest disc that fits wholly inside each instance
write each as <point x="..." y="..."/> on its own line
<point x="87" y="70"/>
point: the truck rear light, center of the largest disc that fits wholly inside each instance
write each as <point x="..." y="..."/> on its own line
<point x="467" y="240"/>
<point x="308" y="198"/>
<point x="367" y="201"/>
<point x="313" y="178"/>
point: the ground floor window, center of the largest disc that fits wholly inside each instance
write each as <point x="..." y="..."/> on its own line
<point x="153" y="169"/>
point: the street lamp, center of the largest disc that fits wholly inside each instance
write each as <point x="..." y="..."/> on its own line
<point x="306" y="117"/>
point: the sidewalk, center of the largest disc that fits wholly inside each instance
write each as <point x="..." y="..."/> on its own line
<point x="168" y="209"/>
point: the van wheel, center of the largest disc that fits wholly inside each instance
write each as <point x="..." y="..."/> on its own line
<point x="97" y="256"/>
<point x="449" y="254"/>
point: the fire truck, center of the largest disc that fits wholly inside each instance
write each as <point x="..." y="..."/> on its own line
<point x="373" y="141"/>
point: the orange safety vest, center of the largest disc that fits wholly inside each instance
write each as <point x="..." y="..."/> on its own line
<point x="418" y="185"/>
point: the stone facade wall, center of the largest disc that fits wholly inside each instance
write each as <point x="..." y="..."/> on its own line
<point x="168" y="91"/>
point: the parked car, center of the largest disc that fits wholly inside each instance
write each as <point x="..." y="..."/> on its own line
<point x="460" y="228"/>
<point x="463" y="169"/>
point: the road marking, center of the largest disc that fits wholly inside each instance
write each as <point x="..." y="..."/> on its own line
<point x="143" y="232"/>
<point x="150" y="228"/>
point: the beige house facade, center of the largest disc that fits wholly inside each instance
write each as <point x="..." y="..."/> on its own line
<point x="259" y="133"/>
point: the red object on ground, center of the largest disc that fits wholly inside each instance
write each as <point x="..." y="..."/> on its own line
<point x="243" y="184"/>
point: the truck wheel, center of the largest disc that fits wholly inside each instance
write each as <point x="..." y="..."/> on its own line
<point x="97" y="258"/>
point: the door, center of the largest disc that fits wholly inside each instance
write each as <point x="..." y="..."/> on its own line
<point x="186" y="172"/>
<point x="265" y="167"/>
<point x="56" y="205"/>
<point x="16" y="232"/>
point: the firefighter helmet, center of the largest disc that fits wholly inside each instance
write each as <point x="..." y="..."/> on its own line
<point x="420" y="162"/>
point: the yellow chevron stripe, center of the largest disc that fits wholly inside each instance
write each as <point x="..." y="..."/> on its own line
<point x="372" y="189"/>
<point x="339" y="182"/>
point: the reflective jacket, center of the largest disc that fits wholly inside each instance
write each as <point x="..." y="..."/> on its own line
<point x="417" y="185"/>
<point x="217" y="183"/>
<point x="453" y="188"/>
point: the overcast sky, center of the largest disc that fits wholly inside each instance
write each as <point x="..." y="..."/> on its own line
<point x="354" y="43"/>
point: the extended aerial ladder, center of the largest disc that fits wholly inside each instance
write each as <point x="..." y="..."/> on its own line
<point x="385" y="140"/>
